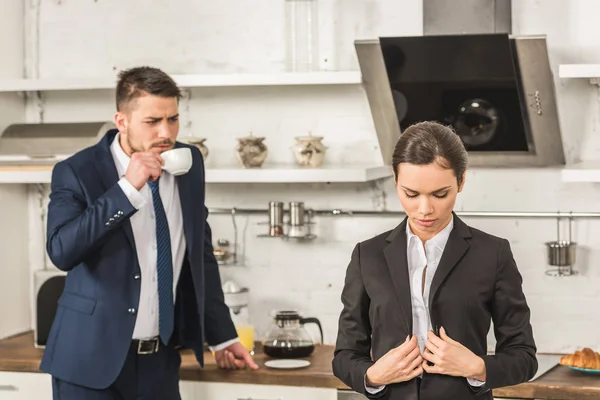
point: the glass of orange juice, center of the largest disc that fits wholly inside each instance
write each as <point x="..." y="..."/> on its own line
<point x="246" y="336"/>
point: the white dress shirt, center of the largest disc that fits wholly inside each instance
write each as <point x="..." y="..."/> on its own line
<point x="143" y="225"/>
<point x="419" y="256"/>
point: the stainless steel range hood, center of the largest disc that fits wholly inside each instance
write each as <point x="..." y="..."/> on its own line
<point x="492" y="87"/>
<point x="47" y="143"/>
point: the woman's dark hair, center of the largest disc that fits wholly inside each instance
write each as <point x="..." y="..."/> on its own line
<point x="139" y="81"/>
<point x="428" y="142"/>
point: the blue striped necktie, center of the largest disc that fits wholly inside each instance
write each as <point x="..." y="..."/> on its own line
<point x="164" y="267"/>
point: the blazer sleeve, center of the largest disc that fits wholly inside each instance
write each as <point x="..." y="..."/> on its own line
<point x="219" y="327"/>
<point x="515" y="359"/>
<point x="74" y="228"/>
<point x="352" y="354"/>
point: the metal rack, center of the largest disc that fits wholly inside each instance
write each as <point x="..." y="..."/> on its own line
<point x="561" y="254"/>
<point x="474" y="214"/>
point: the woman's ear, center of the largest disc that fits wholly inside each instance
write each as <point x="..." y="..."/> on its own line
<point x="462" y="181"/>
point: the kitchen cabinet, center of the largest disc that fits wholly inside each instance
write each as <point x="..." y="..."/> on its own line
<point x="25" y="386"/>
<point x="236" y="391"/>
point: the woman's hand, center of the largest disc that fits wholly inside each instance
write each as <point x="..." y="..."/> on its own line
<point x="400" y="364"/>
<point x="451" y="358"/>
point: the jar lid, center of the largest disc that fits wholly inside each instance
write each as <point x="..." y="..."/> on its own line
<point x="251" y="137"/>
<point x="309" y="137"/>
<point x="287" y="316"/>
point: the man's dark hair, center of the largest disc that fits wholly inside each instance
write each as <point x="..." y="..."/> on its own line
<point x="428" y="142"/>
<point x="140" y="81"/>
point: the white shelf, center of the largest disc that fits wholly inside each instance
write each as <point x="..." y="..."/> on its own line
<point x="588" y="171"/>
<point x="265" y="174"/>
<point x="586" y="71"/>
<point x="295" y="174"/>
<point x="190" y="81"/>
<point x="41" y="175"/>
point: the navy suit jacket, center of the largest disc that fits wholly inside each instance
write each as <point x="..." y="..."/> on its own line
<point x="89" y="235"/>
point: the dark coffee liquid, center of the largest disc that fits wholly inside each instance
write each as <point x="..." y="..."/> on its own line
<point x="289" y="349"/>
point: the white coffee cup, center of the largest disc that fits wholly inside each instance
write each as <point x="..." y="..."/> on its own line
<point x="177" y="161"/>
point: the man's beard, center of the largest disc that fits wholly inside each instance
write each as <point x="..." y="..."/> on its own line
<point x="133" y="148"/>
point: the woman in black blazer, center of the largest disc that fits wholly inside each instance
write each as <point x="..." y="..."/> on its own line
<point x="418" y="300"/>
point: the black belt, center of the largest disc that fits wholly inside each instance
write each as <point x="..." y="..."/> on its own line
<point x="146" y="346"/>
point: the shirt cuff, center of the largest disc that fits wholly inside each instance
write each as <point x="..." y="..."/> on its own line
<point x="223" y="345"/>
<point x="371" y="389"/>
<point x="475" y="382"/>
<point x="132" y="194"/>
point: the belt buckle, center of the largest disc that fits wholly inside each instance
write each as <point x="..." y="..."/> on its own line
<point x="151" y="351"/>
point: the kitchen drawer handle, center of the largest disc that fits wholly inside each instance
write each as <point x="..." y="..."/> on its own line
<point x="8" y="388"/>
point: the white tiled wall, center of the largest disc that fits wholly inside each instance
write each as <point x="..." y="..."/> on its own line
<point x="196" y="37"/>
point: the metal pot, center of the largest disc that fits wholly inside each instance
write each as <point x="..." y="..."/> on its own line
<point x="561" y="253"/>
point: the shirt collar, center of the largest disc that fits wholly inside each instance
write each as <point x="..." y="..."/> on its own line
<point x="121" y="159"/>
<point x="438" y="240"/>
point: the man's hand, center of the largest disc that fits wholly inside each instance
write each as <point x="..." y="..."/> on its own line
<point x="451" y="358"/>
<point x="400" y="364"/>
<point x="234" y="356"/>
<point x="144" y="166"/>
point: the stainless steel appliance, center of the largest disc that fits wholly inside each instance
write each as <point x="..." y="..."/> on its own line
<point x="47" y="143"/>
<point x="48" y="286"/>
<point x="496" y="90"/>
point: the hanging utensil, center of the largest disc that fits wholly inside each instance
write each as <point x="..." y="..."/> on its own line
<point x="561" y="253"/>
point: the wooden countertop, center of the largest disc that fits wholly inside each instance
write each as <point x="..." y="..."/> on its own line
<point x="18" y="354"/>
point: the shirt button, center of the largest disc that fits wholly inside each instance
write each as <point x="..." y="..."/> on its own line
<point x="131" y="311"/>
<point x="136" y="276"/>
<point x="153" y="247"/>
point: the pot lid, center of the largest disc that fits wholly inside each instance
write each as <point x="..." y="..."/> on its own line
<point x="251" y="138"/>
<point x="287" y="315"/>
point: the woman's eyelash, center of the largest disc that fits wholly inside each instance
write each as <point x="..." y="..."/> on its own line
<point x="439" y="196"/>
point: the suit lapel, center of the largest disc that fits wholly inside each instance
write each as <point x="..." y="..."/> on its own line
<point x="184" y="183"/>
<point x="105" y="165"/>
<point x="455" y="249"/>
<point x="396" y="258"/>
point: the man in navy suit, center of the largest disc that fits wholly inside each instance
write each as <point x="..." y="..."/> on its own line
<point x="142" y="279"/>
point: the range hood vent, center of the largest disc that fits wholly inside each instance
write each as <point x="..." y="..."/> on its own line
<point x="495" y="90"/>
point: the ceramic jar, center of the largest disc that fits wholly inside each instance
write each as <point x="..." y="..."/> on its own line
<point x="251" y="151"/>
<point x="309" y="151"/>
<point x="199" y="143"/>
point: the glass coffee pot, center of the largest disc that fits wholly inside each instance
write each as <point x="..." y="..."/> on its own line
<point x="287" y="337"/>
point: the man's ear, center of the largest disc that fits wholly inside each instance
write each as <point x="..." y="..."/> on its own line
<point x="121" y="121"/>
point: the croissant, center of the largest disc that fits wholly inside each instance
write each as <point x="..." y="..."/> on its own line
<point x="586" y="358"/>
